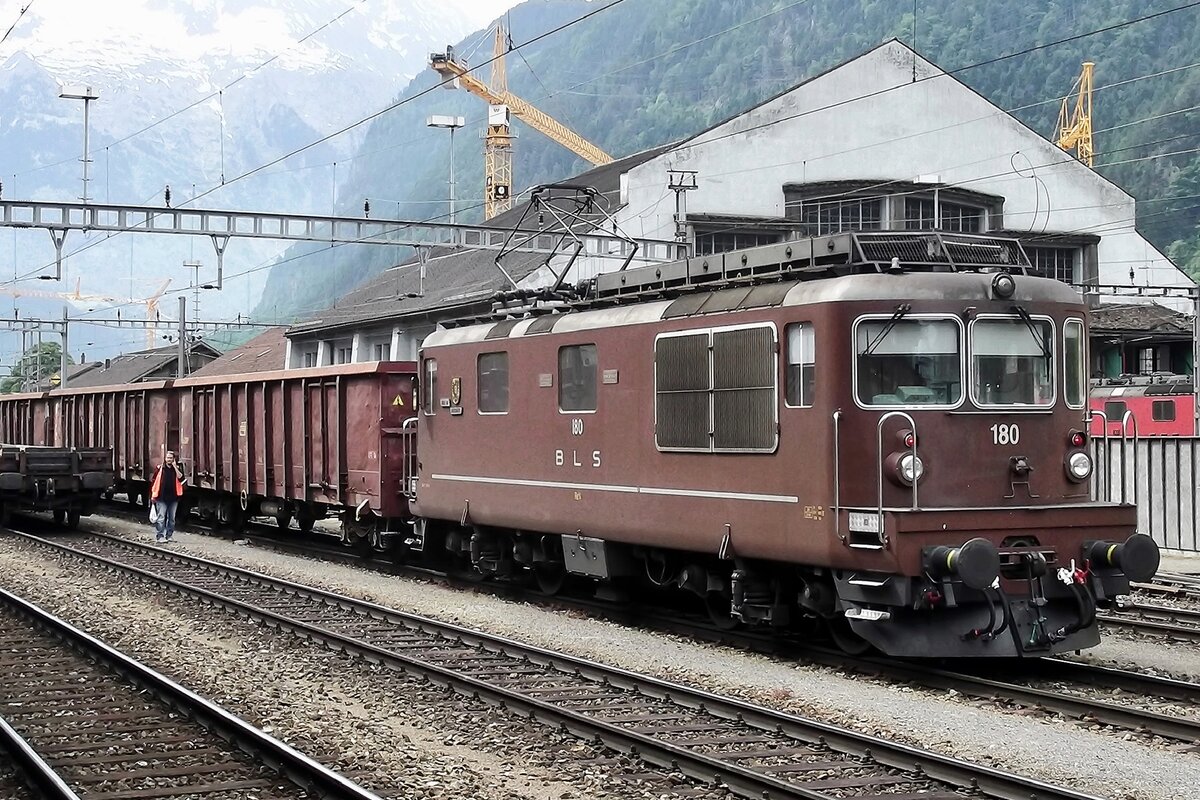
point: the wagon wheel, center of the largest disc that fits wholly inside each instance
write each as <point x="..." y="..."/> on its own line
<point x="229" y="514"/>
<point x="73" y="519"/>
<point x="720" y="610"/>
<point x="550" y="576"/>
<point x="305" y="519"/>
<point x="284" y="520"/>
<point x="5" y="515"/>
<point x="60" y="516"/>
<point x="134" y="498"/>
<point x="844" y="636"/>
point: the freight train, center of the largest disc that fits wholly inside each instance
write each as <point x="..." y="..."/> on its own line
<point x="885" y="433"/>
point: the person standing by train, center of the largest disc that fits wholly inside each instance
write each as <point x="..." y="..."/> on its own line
<point x="165" y="491"/>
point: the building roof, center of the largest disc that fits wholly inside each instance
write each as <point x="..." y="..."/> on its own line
<point x="131" y="367"/>
<point x="1140" y="318"/>
<point x="264" y="353"/>
<point x="457" y="278"/>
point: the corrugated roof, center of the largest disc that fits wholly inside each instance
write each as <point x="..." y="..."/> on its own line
<point x="455" y="278"/>
<point x="1141" y="318"/>
<point x="133" y="367"/>
<point x="264" y="353"/>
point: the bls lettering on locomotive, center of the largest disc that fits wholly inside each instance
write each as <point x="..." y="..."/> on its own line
<point x="576" y="459"/>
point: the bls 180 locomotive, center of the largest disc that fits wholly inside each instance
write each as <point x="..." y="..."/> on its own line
<point x="885" y="432"/>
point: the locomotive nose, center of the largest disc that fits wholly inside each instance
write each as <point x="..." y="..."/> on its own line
<point x="1138" y="556"/>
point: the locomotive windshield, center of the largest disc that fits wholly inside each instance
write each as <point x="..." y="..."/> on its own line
<point x="905" y="362"/>
<point x="1012" y="362"/>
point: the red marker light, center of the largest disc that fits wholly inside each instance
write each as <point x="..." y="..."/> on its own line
<point x="910" y="440"/>
<point x="1077" y="439"/>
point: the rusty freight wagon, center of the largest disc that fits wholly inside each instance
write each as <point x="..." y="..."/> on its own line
<point x="300" y="445"/>
<point x="303" y="445"/>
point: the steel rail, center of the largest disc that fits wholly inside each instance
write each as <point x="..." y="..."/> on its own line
<point x="1169" y="621"/>
<point x="297" y="767"/>
<point x="742" y="780"/>
<point x="37" y="772"/>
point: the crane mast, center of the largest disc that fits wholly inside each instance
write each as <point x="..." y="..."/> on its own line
<point x="497" y="152"/>
<point x="1074" y="130"/>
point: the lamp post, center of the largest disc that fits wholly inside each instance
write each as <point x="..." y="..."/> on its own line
<point x="452" y="124"/>
<point x="85" y="94"/>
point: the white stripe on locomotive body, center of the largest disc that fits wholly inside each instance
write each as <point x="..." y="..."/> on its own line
<point x="610" y="487"/>
<point x="948" y="287"/>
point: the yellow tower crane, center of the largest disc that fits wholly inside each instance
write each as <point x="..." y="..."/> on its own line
<point x="1074" y="130"/>
<point x="497" y="149"/>
<point x="150" y="303"/>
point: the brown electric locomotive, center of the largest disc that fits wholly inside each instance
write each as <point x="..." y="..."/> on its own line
<point x="883" y="431"/>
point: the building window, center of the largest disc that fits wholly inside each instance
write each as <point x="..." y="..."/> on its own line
<point x="715" y="390"/>
<point x="708" y="243"/>
<point x="1163" y="411"/>
<point x="801" y="365"/>
<point x="383" y="352"/>
<point x="1053" y="262"/>
<point x="922" y="214"/>
<point x="493" y="383"/>
<point x="1147" y="360"/>
<point x="577" y="378"/>
<point x="342" y="355"/>
<point x="310" y="358"/>
<point x="822" y="217"/>
<point x="429" y="386"/>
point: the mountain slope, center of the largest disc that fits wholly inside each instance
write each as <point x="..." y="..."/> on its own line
<point x="647" y="72"/>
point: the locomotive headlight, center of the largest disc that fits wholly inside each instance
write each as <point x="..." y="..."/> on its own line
<point x="1079" y="466"/>
<point x="910" y="467"/>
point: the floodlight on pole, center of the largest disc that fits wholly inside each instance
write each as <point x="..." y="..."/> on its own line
<point x="85" y="94"/>
<point x="452" y="124"/>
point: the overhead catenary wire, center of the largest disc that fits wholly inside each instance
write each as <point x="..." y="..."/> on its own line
<point x="20" y="14"/>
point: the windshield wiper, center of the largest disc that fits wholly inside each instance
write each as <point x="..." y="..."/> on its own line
<point x="1039" y="337"/>
<point x="897" y="315"/>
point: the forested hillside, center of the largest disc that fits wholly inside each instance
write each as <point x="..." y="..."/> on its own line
<point x="649" y="71"/>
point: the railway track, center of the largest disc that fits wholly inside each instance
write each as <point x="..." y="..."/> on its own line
<point x="1124" y="699"/>
<point x="1172" y="622"/>
<point x="80" y="719"/>
<point x="752" y="751"/>
<point x="1172" y="584"/>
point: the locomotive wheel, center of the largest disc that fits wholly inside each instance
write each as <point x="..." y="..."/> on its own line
<point x="60" y="516"/>
<point x="73" y="519"/>
<point x="845" y="637"/>
<point x="720" y="611"/>
<point x="551" y="576"/>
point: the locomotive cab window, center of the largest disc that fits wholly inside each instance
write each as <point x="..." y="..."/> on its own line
<point x="1012" y="361"/>
<point x="908" y="361"/>
<point x="801" y="365"/>
<point x="577" y="377"/>
<point x="429" y="386"/>
<point x="493" y="383"/>
<point x="1073" y="361"/>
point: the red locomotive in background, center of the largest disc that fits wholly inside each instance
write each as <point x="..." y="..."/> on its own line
<point x="1160" y="405"/>
<point x="883" y="432"/>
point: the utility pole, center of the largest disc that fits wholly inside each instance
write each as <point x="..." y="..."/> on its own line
<point x="87" y="96"/>
<point x="62" y="357"/>
<point x="681" y="181"/>
<point x="181" y="370"/>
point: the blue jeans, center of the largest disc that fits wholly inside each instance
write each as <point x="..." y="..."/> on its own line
<point x="164" y="528"/>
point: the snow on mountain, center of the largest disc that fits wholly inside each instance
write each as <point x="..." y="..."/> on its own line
<point x="289" y="71"/>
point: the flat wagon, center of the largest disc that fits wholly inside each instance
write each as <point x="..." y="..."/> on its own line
<point x="66" y="481"/>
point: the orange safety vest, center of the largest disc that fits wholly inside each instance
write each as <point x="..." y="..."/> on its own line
<point x="154" y="487"/>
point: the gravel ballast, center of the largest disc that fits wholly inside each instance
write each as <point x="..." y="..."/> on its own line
<point x="1053" y="750"/>
<point x="391" y="733"/>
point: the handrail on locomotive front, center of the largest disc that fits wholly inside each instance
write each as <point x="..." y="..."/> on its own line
<point x="1125" y="420"/>
<point x="1107" y="458"/>
<point x="879" y="466"/>
<point x="837" y="475"/>
<point x="408" y="430"/>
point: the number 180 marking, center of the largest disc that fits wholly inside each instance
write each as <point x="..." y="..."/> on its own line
<point x="1005" y="434"/>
